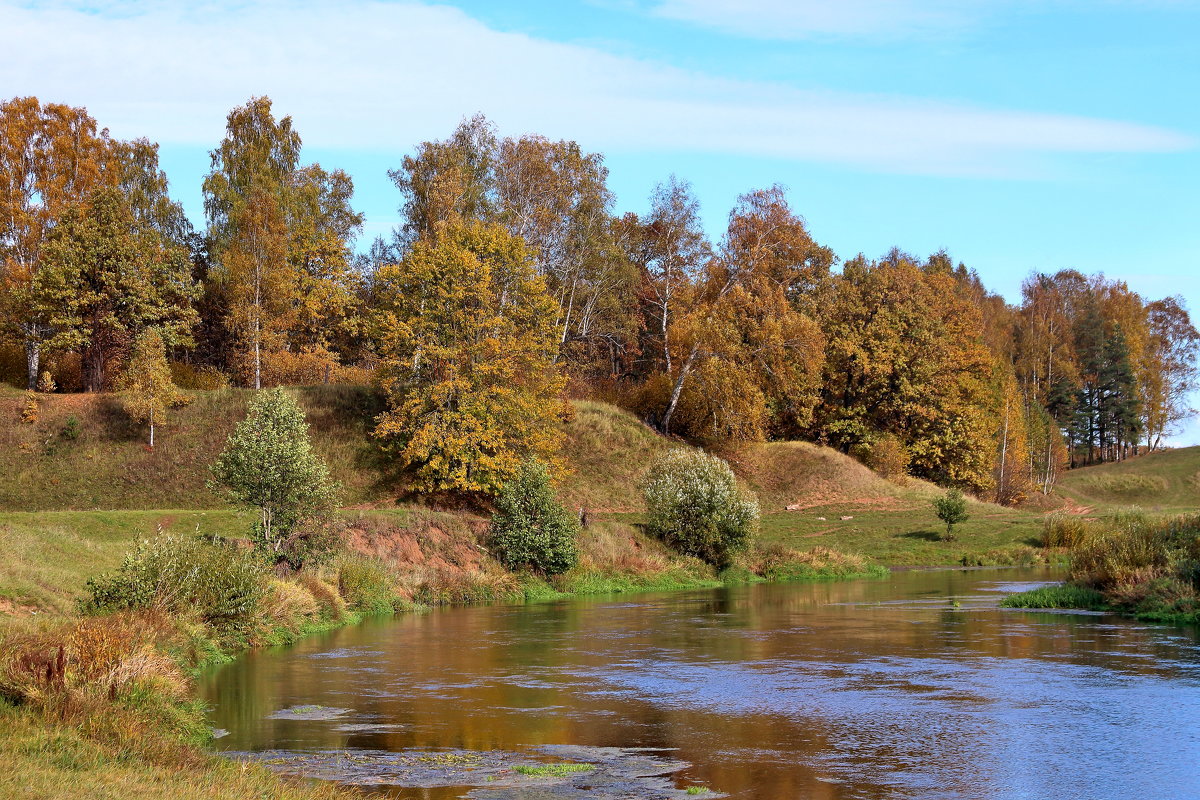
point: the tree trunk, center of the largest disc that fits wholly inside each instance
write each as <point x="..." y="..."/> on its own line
<point x="33" y="358"/>
<point x="678" y="389"/>
<point x="152" y="429"/>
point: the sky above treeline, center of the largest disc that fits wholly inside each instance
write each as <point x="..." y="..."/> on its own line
<point x="1018" y="135"/>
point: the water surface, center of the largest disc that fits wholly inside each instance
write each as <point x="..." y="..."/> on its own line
<point x="916" y="686"/>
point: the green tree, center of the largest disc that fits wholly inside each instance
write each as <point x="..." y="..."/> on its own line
<point x="466" y="334"/>
<point x="268" y="464"/>
<point x="146" y="386"/>
<point x="105" y="277"/>
<point x="694" y="505"/>
<point x="951" y="509"/>
<point x="531" y="529"/>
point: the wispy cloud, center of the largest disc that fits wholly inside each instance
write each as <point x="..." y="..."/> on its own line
<point x="802" y="19"/>
<point x="380" y="76"/>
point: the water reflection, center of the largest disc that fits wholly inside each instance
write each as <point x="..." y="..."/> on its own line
<point x="912" y="687"/>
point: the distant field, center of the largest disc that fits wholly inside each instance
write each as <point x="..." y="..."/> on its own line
<point x="1167" y="482"/>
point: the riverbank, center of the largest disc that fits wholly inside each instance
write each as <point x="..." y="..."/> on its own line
<point x="1142" y="565"/>
<point x="71" y="728"/>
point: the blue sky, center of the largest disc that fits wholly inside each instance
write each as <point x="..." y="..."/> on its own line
<point x="1020" y="135"/>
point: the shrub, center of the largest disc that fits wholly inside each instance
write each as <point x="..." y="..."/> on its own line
<point x="181" y="574"/>
<point x="72" y="429"/>
<point x="366" y="585"/>
<point x="951" y="509"/>
<point x="198" y="377"/>
<point x="29" y="409"/>
<point x="45" y="383"/>
<point x="269" y="465"/>
<point x="694" y="505"/>
<point x="1063" y="530"/>
<point x="531" y="529"/>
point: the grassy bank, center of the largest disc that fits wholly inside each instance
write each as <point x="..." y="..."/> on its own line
<point x="1144" y="565"/>
<point x="77" y="733"/>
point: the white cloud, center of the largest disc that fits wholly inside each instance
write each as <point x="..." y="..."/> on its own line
<point x="381" y="76"/>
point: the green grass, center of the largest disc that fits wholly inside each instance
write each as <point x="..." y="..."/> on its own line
<point x="552" y="770"/>
<point x="698" y="790"/>
<point x="908" y="532"/>
<point x="1060" y="595"/>
<point x="48" y="555"/>
<point x="1166" y="482"/>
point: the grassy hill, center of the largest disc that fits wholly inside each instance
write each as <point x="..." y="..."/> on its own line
<point x="1167" y="482"/>
<point x="70" y="506"/>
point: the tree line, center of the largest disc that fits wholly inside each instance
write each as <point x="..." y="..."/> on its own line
<point x="511" y="284"/>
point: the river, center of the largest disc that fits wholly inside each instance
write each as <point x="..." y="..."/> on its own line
<point x="915" y="686"/>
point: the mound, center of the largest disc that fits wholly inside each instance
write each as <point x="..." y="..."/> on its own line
<point x="1163" y="481"/>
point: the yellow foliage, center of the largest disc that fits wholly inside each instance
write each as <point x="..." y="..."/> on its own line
<point x="468" y="346"/>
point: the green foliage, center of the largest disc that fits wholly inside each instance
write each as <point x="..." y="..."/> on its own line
<point x="531" y="529"/>
<point x="552" y="770"/>
<point x="1061" y="595"/>
<point x="694" y="505"/>
<point x="366" y="585"/>
<point x="71" y="429"/>
<point x="268" y="464"/>
<point x="951" y="509"/>
<point x="182" y="574"/>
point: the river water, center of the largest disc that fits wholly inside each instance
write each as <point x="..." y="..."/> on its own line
<point x="916" y="686"/>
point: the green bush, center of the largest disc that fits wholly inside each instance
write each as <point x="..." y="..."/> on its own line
<point x="366" y="585"/>
<point x="72" y="429"/>
<point x="531" y="529"/>
<point x="181" y="574"/>
<point x="694" y="505"/>
<point x="951" y="509"/>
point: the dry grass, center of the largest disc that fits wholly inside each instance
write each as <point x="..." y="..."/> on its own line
<point x="804" y="475"/>
<point x="607" y="452"/>
<point x="108" y="465"/>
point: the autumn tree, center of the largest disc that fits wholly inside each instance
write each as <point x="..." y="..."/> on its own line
<point x="767" y="238"/>
<point x="1170" y="374"/>
<point x="281" y="236"/>
<point x="466" y="335"/>
<point x="51" y="156"/>
<point x="146" y="387"/>
<point x="104" y="278"/>
<point x="1012" y="472"/>
<point x="904" y="355"/>
<point x="556" y="198"/>
<point x="449" y="181"/>
<point x="671" y="252"/>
